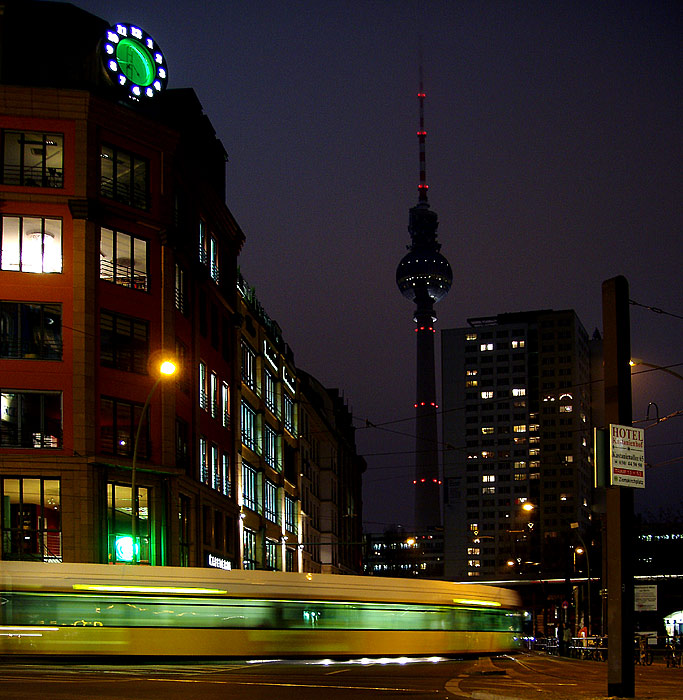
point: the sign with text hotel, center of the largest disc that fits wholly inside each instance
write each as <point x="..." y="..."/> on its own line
<point x="627" y="456"/>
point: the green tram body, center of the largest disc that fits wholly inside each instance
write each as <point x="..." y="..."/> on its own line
<point x="92" y="609"/>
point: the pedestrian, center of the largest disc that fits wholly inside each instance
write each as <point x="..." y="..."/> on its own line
<point x="567" y="636"/>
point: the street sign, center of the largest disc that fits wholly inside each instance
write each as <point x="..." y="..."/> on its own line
<point x="627" y="456"/>
<point x="645" y="598"/>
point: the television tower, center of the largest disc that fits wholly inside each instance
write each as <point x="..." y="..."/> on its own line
<point x="424" y="276"/>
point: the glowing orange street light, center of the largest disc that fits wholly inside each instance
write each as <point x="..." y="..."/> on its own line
<point x="166" y="369"/>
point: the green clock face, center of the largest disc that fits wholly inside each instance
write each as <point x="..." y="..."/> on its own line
<point x="133" y="62"/>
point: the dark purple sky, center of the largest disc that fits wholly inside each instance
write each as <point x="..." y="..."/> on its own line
<point x="553" y="158"/>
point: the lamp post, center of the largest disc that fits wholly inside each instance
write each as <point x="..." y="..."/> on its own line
<point x="575" y="526"/>
<point x="166" y="369"/>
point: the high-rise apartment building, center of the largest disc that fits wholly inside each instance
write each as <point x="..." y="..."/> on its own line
<point x="517" y="433"/>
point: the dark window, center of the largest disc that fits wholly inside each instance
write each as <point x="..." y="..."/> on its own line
<point x="30" y="419"/>
<point x="32" y="159"/>
<point x="124" y="177"/>
<point x="30" y="330"/>
<point x="124" y="342"/>
<point x="118" y="425"/>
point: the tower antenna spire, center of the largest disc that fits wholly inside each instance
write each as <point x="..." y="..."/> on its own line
<point x="422" y="136"/>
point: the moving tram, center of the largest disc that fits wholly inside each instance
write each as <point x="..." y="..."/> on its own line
<point x="102" y="610"/>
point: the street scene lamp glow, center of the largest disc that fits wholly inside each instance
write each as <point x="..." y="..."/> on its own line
<point x="167" y="367"/>
<point x="528" y="507"/>
<point x="132" y="555"/>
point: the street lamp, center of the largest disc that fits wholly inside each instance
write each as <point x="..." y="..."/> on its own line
<point x="580" y="550"/>
<point x="166" y="369"/>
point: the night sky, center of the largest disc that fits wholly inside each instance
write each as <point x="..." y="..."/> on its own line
<point x="553" y="158"/>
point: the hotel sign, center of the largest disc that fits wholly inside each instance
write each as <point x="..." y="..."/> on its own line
<point x="627" y="456"/>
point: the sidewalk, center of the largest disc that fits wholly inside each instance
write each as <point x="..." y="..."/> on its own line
<point x="540" y="676"/>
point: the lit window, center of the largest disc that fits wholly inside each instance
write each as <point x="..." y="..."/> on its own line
<point x="248" y="416"/>
<point x="517" y="344"/>
<point x="472" y="372"/>
<point x="488" y="490"/>
<point x="31" y="244"/>
<point x="475" y="563"/>
<point x="484" y="347"/>
<point x="34" y="420"/>
<point x="270" y="391"/>
<point x="488" y="455"/>
<point x="33" y="159"/>
<point x="519" y="391"/>
<point x="124" y="259"/>
<point x="203" y="387"/>
<point x="487" y="430"/>
<point x="225" y="404"/>
<point x="25" y="534"/>
<point x="249" y="487"/>
<point x="270" y="451"/>
<point x="248" y="366"/>
<point x="471" y="336"/>
<point x="471" y="383"/>
<point x="486" y="394"/>
<point x="290" y="514"/>
<point x="203" y="461"/>
<point x="270" y="503"/>
<point x="488" y="478"/>
<point x="519" y="428"/>
<point x="473" y="551"/>
<point x="566" y="409"/>
<point x="288" y="412"/>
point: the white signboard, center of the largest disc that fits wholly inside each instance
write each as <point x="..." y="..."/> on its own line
<point x="627" y="456"/>
<point x="645" y="598"/>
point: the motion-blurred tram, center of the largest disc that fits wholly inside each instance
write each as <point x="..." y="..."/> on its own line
<point x="101" y="610"/>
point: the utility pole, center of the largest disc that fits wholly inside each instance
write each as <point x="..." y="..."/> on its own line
<point x="619" y="545"/>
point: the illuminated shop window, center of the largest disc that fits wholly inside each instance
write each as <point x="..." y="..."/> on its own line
<point x="249" y="546"/>
<point x="32" y="159"/>
<point x="30" y="419"/>
<point x="124" y="177"/>
<point x="271" y="554"/>
<point x="31" y="519"/>
<point x="31" y="244"/>
<point x="30" y="331"/>
<point x="121" y="547"/>
<point x="124" y="259"/>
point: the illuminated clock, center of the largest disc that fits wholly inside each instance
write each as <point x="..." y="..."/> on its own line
<point x="133" y="61"/>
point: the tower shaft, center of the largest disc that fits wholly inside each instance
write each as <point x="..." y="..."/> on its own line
<point x="427" y="482"/>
